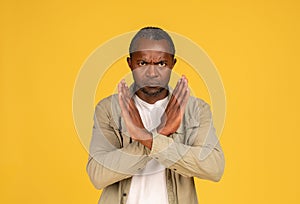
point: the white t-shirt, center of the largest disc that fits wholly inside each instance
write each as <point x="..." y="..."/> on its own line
<point x="148" y="186"/>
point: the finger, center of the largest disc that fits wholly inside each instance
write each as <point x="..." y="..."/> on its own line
<point x="126" y="100"/>
<point x="185" y="100"/>
<point x="183" y="76"/>
<point x="182" y="91"/>
<point x="181" y="86"/>
<point x="126" y="90"/>
<point x="135" y="115"/>
<point x="173" y="100"/>
<point x="123" y="106"/>
<point x="129" y="100"/>
<point x="177" y="85"/>
<point x="120" y="94"/>
<point x="175" y="92"/>
<point x="125" y="93"/>
<point x="123" y="98"/>
<point x="177" y="95"/>
<point x="120" y="87"/>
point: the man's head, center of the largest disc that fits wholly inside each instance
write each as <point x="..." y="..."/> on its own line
<point x="151" y="60"/>
<point x="151" y="33"/>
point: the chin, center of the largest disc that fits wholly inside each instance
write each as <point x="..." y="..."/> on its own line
<point x="152" y="91"/>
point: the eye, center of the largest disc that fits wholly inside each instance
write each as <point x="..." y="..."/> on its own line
<point x="142" y="63"/>
<point x="162" y="64"/>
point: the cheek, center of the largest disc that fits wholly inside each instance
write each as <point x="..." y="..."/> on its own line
<point x="166" y="75"/>
<point x="137" y="75"/>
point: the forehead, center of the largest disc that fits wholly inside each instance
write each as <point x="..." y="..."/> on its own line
<point x="151" y="55"/>
<point x="143" y="45"/>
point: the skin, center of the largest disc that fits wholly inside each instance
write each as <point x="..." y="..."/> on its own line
<point x="151" y="67"/>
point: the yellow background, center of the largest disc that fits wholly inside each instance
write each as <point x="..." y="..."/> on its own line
<point x="254" y="44"/>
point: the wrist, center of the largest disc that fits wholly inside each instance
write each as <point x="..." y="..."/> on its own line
<point x="145" y="139"/>
<point x="163" y="131"/>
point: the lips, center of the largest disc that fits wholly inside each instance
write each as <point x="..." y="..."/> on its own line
<point x="152" y="84"/>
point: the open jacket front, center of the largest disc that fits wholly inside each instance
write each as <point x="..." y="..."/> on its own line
<point x="192" y="151"/>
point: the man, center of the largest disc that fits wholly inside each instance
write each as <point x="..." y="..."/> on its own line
<point x="149" y="141"/>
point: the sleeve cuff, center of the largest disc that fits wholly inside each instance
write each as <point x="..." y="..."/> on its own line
<point x="160" y="144"/>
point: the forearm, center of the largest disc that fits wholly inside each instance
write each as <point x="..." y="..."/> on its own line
<point x="206" y="162"/>
<point x="194" y="150"/>
<point x="101" y="176"/>
<point x="111" y="156"/>
<point x="105" y="168"/>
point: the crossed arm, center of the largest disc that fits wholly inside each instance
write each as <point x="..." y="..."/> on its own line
<point x="110" y="161"/>
<point x="169" y="122"/>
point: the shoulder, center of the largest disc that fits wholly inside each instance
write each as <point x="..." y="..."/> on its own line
<point x="107" y="101"/>
<point x="197" y="109"/>
<point x="197" y="103"/>
<point x="108" y="104"/>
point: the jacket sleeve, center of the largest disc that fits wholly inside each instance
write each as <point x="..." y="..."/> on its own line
<point x="199" y="155"/>
<point x="109" y="161"/>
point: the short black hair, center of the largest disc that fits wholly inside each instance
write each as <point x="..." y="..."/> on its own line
<point x="152" y="33"/>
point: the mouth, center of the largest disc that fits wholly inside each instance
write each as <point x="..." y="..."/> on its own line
<point x="152" y="84"/>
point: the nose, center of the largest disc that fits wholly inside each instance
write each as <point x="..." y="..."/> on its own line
<point x="151" y="71"/>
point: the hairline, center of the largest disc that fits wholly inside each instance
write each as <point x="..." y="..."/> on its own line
<point x="140" y="50"/>
<point x="151" y="33"/>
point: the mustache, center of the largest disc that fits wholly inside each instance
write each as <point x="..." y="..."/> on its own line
<point x="142" y="86"/>
<point x="151" y="83"/>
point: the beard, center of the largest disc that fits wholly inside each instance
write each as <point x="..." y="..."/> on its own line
<point x="152" y="91"/>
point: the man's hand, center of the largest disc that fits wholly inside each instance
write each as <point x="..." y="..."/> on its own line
<point x="171" y="119"/>
<point x="132" y="117"/>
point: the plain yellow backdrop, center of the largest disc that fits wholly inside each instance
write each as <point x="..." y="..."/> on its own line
<point x="254" y="44"/>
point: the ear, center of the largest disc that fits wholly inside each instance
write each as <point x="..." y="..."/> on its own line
<point x="129" y="62"/>
<point x="174" y="62"/>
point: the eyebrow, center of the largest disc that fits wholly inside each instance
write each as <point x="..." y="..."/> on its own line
<point x="154" y="62"/>
<point x="158" y="61"/>
<point x="143" y="57"/>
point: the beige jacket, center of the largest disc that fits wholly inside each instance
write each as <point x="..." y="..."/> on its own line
<point x="192" y="151"/>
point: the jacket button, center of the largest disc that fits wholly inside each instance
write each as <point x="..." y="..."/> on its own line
<point x="124" y="194"/>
